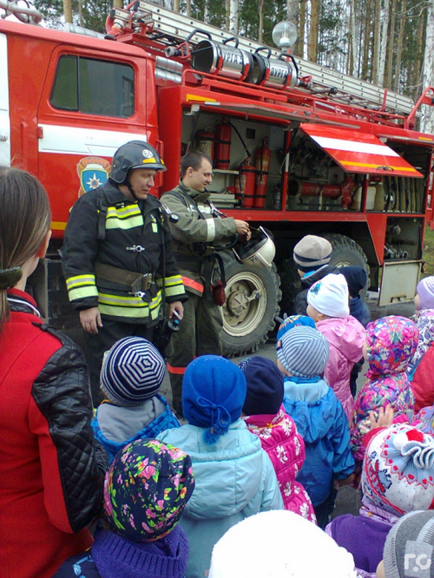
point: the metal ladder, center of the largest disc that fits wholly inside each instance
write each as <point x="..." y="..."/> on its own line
<point x="172" y="27"/>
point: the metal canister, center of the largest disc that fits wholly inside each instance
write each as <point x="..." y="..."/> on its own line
<point x="283" y="72"/>
<point x="228" y="61"/>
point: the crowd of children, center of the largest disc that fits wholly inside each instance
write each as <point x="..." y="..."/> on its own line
<point x="247" y="486"/>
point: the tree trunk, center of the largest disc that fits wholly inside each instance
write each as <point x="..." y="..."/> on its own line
<point x="228" y="12"/>
<point x="313" y="32"/>
<point x="301" y="29"/>
<point x="399" y="45"/>
<point x="233" y="16"/>
<point x="176" y="5"/>
<point x="382" y="49"/>
<point x="188" y="6"/>
<point x="377" y="30"/>
<point x="261" y="21"/>
<point x="418" y="59"/>
<point x="67" y="10"/>
<point x="390" y="46"/>
<point x="366" y="41"/>
<point x="351" y="39"/>
<point x="427" y="118"/>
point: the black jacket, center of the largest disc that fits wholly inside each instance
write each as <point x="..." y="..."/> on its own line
<point x="136" y="238"/>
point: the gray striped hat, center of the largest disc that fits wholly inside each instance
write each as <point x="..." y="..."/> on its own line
<point x="303" y="351"/>
<point x="132" y="371"/>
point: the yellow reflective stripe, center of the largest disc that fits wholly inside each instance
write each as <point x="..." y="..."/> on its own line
<point x="174" y="280"/>
<point x="133" y="312"/>
<point x="79" y="280"/>
<point x="82" y="292"/>
<point x="124" y="217"/>
<point x="132" y="301"/>
<point x="174" y="291"/>
<point x="130" y="223"/>
<point x="123" y="212"/>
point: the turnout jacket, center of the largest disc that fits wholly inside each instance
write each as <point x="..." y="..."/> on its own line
<point x="51" y="467"/>
<point x="195" y="233"/>
<point x="136" y="239"/>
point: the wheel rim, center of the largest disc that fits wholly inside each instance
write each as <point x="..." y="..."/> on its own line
<point x="246" y="302"/>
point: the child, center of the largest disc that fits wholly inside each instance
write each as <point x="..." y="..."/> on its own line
<point x="421" y="367"/>
<point x="320" y="419"/>
<point x="146" y="489"/>
<point x="311" y="256"/>
<point x="409" y="548"/>
<point x="390" y="344"/>
<point x="265" y="416"/>
<point x="279" y="545"/>
<point x="397" y="478"/>
<point x="357" y="279"/>
<point x="131" y="375"/>
<point x="328" y="307"/>
<point x="234" y="476"/>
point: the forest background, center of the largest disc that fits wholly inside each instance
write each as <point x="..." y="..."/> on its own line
<point x="387" y="42"/>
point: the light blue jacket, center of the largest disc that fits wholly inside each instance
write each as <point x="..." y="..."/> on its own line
<point x="234" y="479"/>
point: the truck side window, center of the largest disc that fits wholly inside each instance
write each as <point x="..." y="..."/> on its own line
<point x="92" y="86"/>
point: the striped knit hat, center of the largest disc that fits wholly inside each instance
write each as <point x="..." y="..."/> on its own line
<point x="132" y="371"/>
<point x="312" y="252"/>
<point x="303" y="351"/>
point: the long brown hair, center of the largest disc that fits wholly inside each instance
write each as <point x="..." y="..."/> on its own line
<point x="25" y="219"/>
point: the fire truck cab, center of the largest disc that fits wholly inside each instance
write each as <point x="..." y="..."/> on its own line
<point x="296" y="149"/>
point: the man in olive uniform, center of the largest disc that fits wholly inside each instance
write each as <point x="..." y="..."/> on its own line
<point x="196" y="233"/>
<point x="117" y="258"/>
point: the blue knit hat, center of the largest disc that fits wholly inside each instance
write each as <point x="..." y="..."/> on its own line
<point x="132" y="371"/>
<point x="303" y="352"/>
<point x="294" y="321"/>
<point x="264" y="386"/>
<point x="213" y="394"/>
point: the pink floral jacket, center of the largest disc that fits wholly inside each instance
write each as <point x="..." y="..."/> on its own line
<point x="285" y="447"/>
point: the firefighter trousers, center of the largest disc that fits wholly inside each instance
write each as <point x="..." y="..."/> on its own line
<point x="97" y="344"/>
<point x="199" y="334"/>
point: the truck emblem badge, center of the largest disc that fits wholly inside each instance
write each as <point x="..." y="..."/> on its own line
<point x="92" y="172"/>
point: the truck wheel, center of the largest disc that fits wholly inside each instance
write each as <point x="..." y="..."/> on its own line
<point x="346" y="252"/>
<point x="252" y="302"/>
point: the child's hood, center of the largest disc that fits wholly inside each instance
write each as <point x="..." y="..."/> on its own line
<point x="313" y="417"/>
<point x="391" y="343"/>
<point x="228" y="474"/>
<point x="346" y="334"/>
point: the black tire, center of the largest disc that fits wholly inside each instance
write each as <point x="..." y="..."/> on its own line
<point x="252" y="302"/>
<point x="346" y="252"/>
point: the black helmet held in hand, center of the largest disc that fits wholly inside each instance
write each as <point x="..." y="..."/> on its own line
<point x="135" y="154"/>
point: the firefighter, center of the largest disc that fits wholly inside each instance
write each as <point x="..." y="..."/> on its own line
<point x="199" y="229"/>
<point x="117" y="257"/>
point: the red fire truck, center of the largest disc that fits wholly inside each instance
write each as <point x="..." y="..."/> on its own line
<point x="297" y="148"/>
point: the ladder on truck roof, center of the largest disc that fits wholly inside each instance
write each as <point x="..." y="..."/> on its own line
<point x="172" y="27"/>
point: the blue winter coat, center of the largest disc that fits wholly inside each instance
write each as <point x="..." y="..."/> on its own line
<point x="322" y="423"/>
<point x="234" y="479"/>
<point x="115" y="426"/>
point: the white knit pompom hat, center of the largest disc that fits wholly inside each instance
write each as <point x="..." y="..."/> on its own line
<point x="279" y="544"/>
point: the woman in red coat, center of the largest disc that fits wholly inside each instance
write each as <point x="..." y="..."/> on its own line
<point x="51" y="468"/>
